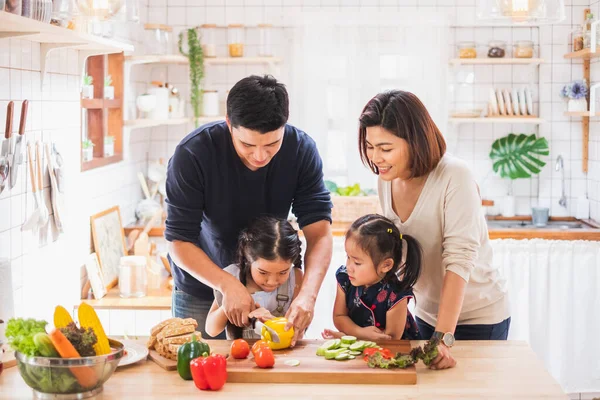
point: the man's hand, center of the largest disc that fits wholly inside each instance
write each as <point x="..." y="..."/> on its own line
<point x="237" y="303"/>
<point x="444" y="359"/>
<point x="373" y="333"/>
<point x="300" y="315"/>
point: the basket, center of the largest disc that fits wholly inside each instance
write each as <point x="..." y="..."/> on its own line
<point x="350" y="208"/>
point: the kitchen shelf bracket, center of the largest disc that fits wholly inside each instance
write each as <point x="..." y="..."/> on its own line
<point x="45" y="49"/>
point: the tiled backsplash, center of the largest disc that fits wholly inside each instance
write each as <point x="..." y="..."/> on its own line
<point x="54" y="116"/>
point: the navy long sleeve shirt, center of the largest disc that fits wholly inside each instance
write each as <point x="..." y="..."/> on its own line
<point x="212" y="195"/>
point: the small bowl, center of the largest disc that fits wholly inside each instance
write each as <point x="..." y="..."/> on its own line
<point x="146" y="102"/>
<point x="53" y="378"/>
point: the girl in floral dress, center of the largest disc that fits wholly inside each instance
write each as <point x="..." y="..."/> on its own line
<point x="375" y="285"/>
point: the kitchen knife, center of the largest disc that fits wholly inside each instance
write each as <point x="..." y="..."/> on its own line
<point x="17" y="157"/>
<point x="6" y="148"/>
<point x="258" y="327"/>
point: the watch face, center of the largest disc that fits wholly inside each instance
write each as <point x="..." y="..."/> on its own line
<point x="448" y="339"/>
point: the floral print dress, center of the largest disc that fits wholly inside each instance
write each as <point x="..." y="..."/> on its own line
<point x="368" y="306"/>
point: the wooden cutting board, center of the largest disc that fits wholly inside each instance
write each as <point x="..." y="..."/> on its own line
<point x="163" y="362"/>
<point x="315" y="369"/>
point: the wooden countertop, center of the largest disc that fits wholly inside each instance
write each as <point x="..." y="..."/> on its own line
<point x="485" y="370"/>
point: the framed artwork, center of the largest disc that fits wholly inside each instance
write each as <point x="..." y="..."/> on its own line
<point x="109" y="243"/>
<point x="95" y="278"/>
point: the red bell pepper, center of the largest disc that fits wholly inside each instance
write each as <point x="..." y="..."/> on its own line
<point x="209" y="373"/>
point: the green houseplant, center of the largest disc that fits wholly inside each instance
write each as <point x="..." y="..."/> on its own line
<point x="87" y="89"/>
<point x="109" y="89"/>
<point x="88" y="150"/>
<point x="195" y="56"/>
<point x="518" y="157"/>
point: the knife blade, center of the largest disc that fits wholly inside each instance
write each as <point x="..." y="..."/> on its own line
<point x="258" y="328"/>
<point x="8" y="131"/>
<point x="17" y="157"/>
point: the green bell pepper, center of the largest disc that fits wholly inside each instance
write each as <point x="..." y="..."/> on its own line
<point x="186" y="353"/>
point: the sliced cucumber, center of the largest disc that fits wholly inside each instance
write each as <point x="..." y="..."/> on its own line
<point x="358" y="346"/>
<point x="331" y="354"/>
<point x="330" y="344"/>
<point x="321" y="351"/>
<point x="372" y="344"/>
<point x="337" y="343"/>
<point x="348" y="339"/>
<point x="292" y="363"/>
<point x="342" y="357"/>
<point x="344" y="345"/>
<point x="351" y="357"/>
<point x="355" y="353"/>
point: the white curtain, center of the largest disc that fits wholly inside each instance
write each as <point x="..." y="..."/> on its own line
<point x="554" y="289"/>
<point x="341" y="59"/>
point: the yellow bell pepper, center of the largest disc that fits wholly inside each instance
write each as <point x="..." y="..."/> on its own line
<point x="285" y="337"/>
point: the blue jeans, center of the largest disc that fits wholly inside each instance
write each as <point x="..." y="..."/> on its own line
<point x="185" y="305"/>
<point x="497" y="331"/>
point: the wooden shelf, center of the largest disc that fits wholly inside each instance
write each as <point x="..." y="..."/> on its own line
<point x="101" y="162"/>
<point x="157" y="59"/>
<point x="241" y="60"/>
<point x="582" y="114"/>
<point x="16" y="26"/>
<point x="498" y="120"/>
<point x="93" y="104"/>
<point x="496" y="61"/>
<point x="584" y="54"/>
<point x="149" y="123"/>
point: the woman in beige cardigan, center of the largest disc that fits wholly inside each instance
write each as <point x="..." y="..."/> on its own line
<point x="433" y="197"/>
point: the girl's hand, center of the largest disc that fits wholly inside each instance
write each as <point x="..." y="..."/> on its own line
<point x="373" y="333"/>
<point x="329" y="334"/>
<point x="262" y="314"/>
<point x="444" y="359"/>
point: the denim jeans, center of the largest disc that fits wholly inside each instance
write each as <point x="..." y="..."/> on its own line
<point x="497" y="331"/>
<point x="187" y="306"/>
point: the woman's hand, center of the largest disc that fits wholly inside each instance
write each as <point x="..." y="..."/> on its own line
<point x="261" y="313"/>
<point x="330" y="334"/>
<point x="444" y="359"/>
<point x="373" y="333"/>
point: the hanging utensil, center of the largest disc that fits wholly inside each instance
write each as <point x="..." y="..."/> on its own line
<point x="58" y="170"/>
<point x="40" y="182"/>
<point x="34" y="219"/>
<point x="54" y="195"/>
<point x="17" y="157"/>
<point x="5" y="158"/>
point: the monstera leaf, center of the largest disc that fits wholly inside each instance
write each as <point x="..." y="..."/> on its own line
<point x="518" y="156"/>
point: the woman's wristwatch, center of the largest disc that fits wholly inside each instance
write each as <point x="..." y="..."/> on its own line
<point x="446" y="338"/>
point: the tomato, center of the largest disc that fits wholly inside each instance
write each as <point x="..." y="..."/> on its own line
<point x="259" y="344"/>
<point x="240" y="349"/>
<point x="385" y="353"/>
<point x="264" y="357"/>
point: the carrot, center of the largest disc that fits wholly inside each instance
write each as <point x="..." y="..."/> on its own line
<point x="86" y="376"/>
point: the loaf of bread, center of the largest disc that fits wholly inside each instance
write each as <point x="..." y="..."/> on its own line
<point x="167" y="336"/>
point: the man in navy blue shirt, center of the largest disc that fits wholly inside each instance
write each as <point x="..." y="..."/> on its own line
<point x="225" y="174"/>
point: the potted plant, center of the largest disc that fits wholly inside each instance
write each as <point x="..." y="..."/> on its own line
<point x="196" y="60"/>
<point x="87" y="89"/>
<point x="517" y="157"/>
<point x="576" y="94"/>
<point x="109" y="146"/>
<point x="87" y="147"/>
<point x="109" y="89"/>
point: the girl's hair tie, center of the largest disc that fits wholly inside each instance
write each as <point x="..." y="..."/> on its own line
<point x="390" y="230"/>
<point x="400" y="236"/>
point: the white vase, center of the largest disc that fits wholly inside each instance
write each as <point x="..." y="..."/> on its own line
<point x="109" y="92"/>
<point x="87" y="91"/>
<point x="508" y="206"/>
<point x="88" y="154"/>
<point x="109" y="149"/>
<point x="577" y="105"/>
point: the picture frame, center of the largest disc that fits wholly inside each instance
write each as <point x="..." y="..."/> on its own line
<point x="108" y="237"/>
<point x="95" y="278"/>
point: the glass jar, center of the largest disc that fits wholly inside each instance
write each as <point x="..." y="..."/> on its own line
<point x="167" y="34"/>
<point x="62" y="12"/>
<point x="132" y="276"/>
<point x="467" y="50"/>
<point x="265" y="48"/>
<point x="154" y="39"/>
<point x="235" y="33"/>
<point x="496" y="48"/>
<point x="578" y="39"/>
<point x="13" y="6"/>
<point x="209" y="40"/>
<point x="210" y="103"/>
<point x="524" y="49"/>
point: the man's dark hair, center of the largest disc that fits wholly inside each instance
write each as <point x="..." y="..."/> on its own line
<point x="259" y="103"/>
